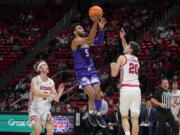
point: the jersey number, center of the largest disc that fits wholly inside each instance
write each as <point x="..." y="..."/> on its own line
<point x="86" y="52"/>
<point x="133" y="68"/>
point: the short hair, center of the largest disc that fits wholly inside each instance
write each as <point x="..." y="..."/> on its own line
<point x="175" y="81"/>
<point x="148" y="99"/>
<point x="163" y="79"/>
<point x="73" y="27"/>
<point x="36" y="65"/>
<point x="135" y="47"/>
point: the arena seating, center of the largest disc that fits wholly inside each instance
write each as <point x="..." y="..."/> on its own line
<point x="21" y="28"/>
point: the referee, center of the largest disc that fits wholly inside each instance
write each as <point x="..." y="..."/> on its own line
<point x="162" y="98"/>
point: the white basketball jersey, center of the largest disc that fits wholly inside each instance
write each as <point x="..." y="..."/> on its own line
<point x="39" y="102"/>
<point x="175" y="100"/>
<point x="130" y="71"/>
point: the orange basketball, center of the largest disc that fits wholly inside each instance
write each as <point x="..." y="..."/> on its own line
<point x="95" y="10"/>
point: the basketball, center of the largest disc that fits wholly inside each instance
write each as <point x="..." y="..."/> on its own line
<point x="95" y="10"/>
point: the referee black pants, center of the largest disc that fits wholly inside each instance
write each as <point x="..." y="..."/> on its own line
<point x="163" y="117"/>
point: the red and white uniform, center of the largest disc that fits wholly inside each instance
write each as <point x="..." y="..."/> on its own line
<point x="39" y="108"/>
<point x="176" y="104"/>
<point x="130" y="93"/>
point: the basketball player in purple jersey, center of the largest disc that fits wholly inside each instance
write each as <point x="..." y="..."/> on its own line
<point x="85" y="71"/>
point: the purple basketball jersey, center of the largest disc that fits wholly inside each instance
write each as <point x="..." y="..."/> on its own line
<point x="82" y="58"/>
<point x="84" y="66"/>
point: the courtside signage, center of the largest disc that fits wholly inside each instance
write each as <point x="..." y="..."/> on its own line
<point x="14" y="123"/>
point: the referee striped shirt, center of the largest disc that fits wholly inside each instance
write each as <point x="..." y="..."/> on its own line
<point x="163" y="96"/>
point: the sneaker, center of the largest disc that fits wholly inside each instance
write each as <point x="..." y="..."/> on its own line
<point x="92" y="120"/>
<point x="100" y="121"/>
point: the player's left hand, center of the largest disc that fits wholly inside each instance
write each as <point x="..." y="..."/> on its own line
<point x="102" y="23"/>
<point x="60" y="92"/>
<point x="61" y="88"/>
<point x="122" y="33"/>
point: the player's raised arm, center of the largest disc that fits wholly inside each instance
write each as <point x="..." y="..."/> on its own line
<point x="100" y="36"/>
<point x="34" y="89"/>
<point x="122" y="37"/>
<point x="115" y="67"/>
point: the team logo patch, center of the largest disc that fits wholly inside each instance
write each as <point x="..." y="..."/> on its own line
<point x="61" y="124"/>
<point x="84" y="79"/>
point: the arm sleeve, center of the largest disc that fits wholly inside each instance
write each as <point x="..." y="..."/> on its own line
<point x="99" y="39"/>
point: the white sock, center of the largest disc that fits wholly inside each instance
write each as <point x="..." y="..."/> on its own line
<point x="98" y="113"/>
<point x="127" y="133"/>
<point x="91" y="111"/>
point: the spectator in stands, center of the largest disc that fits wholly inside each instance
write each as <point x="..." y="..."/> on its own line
<point x="2" y="106"/>
<point x="104" y="108"/>
<point x="69" y="108"/>
<point x="148" y="119"/>
<point x="58" y="109"/>
<point x="111" y="102"/>
<point x="104" y="76"/>
<point x="10" y="41"/>
<point x="1" y="58"/>
<point x="83" y="96"/>
<point x="20" y="86"/>
<point x="25" y="95"/>
<point x="85" y="128"/>
<point x="16" y="107"/>
<point x="168" y="68"/>
<point x="114" y="123"/>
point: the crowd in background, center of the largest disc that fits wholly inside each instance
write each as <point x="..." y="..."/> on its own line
<point x="135" y="20"/>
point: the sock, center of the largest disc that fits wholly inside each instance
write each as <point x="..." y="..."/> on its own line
<point x="98" y="105"/>
<point x="98" y="113"/>
<point x="91" y="111"/>
<point x="127" y="133"/>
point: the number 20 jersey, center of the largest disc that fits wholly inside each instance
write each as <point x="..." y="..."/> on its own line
<point x="129" y="73"/>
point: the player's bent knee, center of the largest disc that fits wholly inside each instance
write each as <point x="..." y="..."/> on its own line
<point x="92" y="95"/>
<point x="37" y="128"/>
<point x="37" y="131"/>
<point x="50" y="130"/>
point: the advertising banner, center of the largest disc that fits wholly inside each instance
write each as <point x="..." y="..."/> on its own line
<point x="63" y="123"/>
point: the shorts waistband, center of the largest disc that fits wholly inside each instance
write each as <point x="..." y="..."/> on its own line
<point x="88" y="69"/>
<point x="129" y="85"/>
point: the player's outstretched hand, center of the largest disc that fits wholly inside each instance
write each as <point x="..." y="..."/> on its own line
<point x="60" y="92"/>
<point x="95" y="18"/>
<point x="122" y="33"/>
<point x="53" y="96"/>
<point x="102" y="23"/>
<point x="61" y="88"/>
